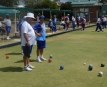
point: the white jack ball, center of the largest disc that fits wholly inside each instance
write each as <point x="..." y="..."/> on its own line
<point x="100" y="73"/>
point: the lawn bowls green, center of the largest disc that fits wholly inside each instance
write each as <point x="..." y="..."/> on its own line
<point x="61" y="67"/>
<point x="102" y="64"/>
<point x="90" y="67"/>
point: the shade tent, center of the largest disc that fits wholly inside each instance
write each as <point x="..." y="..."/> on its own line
<point x="5" y="10"/>
<point x="8" y="11"/>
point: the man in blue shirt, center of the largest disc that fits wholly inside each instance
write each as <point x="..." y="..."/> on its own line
<point x="40" y="31"/>
<point x="54" y="22"/>
<point x="19" y="27"/>
<point x="20" y="23"/>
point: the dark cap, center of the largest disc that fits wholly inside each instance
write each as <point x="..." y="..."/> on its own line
<point x="42" y="16"/>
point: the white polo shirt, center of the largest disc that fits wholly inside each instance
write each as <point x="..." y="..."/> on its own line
<point x="73" y="19"/>
<point x="7" y="22"/>
<point x="98" y="20"/>
<point x="104" y="19"/>
<point x="28" y="29"/>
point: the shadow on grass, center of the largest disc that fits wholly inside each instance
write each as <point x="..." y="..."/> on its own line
<point x="13" y="53"/>
<point x="11" y="69"/>
<point x="21" y="61"/>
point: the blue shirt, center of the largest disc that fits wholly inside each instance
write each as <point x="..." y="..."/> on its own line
<point x="54" y="20"/>
<point x="20" y="24"/>
<point x="40" y="28"/>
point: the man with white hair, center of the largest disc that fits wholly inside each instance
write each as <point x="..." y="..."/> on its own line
<point x="27" y="40"/>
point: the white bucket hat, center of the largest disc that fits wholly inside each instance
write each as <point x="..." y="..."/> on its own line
<point x="30" y="15"/>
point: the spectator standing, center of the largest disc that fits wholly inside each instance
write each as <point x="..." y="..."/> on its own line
<point x="54" y="19"/>
<point x="19" y="25"/>
<point x="78" y="20"/>
<point x="98" y="26"/>
<point x="67" y="20"/>
<point x="62" y="23"/>
<point x="83" y="22"/>
<point x="104" y="21"/>
<point x="73" y="22"/>
<point x="7" y="23"/>
<point x="51" y="26"/>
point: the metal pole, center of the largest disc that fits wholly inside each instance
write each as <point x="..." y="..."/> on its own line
<point x="42" y="12"/>
<point x="89" y="17"/>
<point x="50" y="15"/>
<point x="15" y="21"/>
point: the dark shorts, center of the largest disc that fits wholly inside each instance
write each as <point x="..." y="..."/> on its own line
<point x="8" y="28"/>
<point x="27" y="50"/>
<point x="41" y="44"/>
<point x="0" y="29"/>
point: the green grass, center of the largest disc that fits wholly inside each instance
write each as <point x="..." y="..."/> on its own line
<point x="72" y="50"/>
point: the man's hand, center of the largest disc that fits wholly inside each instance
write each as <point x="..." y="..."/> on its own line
<point x="38" y="34"/>
<point x="28" y="44"/>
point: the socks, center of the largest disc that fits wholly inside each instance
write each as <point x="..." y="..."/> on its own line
<point x="41" y="56"/>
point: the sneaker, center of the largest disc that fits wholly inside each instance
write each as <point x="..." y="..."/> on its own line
<point x="8" y="38"/>
<point x="38" y="60"/>
<point x="27" y="69"/>
<point x="43" y="59"/>
<point x="30" y="66"/>
<point x="22" y="53"/>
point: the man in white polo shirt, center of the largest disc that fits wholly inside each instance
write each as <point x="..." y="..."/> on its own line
<point x="27" y="40"/>
<point x="7" y="23"/>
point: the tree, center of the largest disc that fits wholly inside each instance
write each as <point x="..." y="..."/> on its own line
<point x="48" y="4"/>
<point x="32" y="3"/>
<point x="103" y="1"/>
<point x="40" y="4"/>
<point x="66" y="6"/>
<point x="56" y="0"/>
<point x="9" y="3"/>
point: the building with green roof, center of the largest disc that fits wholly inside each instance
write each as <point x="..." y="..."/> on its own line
<point x="89" y="8"/>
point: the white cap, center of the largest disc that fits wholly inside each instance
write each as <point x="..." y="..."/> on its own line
<point x="30" y="15"/>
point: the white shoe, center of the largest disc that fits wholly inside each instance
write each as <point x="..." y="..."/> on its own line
<point x="43" y="59"/>
<point x="22" y="53"/>
<point x="8" y="38"/>
<point x="27" y="69"/>
<point x="30" y="66"/>
<point x="38" y="60"/>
